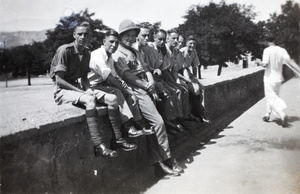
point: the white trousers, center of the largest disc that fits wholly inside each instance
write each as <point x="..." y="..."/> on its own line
<point x="274" y="103"/>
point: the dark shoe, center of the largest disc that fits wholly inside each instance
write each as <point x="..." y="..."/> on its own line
<point x="284" y="122"/>
<point x="122" y="143"/>
<point x="102" y="150"/>
<point x="179" y="128"/>
<point x="205" y="120"/>
<point x="171" y="131"/>
<point x="174" y="165"/>
<point x="171" y="128"/>
<point x="266" y="118"/>
<point x="132" y="132"/>
<point x="168" y="170"/>
<point x="193" y="118"/>
<point x="148" y="131"/>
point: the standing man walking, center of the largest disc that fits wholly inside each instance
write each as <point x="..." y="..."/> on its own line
<point x="273" y="59"/>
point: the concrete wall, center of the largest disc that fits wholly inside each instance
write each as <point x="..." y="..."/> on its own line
<point x="61" y="160"/>
<point x="58" y="157"/>
<point x="225" y="95"/>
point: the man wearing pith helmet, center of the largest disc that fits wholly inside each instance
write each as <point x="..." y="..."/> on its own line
<point x="129" y="66"/>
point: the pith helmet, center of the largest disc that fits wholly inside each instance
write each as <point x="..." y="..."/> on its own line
<point x="127" y="25"/>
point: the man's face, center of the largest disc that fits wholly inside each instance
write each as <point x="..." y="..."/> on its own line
<point x="128" y="38"/>
<point x="172" y="39"/>
<point x="191" y="44"/>
<point x="143" y="36"/>
<point x="82" y="36"/>
<point x="160" y="39"/>
<point x="180" y="42"/>
<point x="111" y="44"/>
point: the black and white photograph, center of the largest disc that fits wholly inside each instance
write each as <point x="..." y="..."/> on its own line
<point x="149" y="97"/>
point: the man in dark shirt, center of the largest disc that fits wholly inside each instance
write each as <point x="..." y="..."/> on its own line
<point x="71" y="62"/>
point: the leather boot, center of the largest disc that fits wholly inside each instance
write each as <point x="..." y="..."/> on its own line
<point x="122" y="143"/>
<point x="133" y="132"/>
<point x="102" y="150"/>
<point x="167" y="170"/>
<point x="174" y="165"/>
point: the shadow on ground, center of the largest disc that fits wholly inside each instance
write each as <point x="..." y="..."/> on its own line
<point x="185" y="146"/>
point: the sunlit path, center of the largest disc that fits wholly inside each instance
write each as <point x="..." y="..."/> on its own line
<point x="249" y="156"/>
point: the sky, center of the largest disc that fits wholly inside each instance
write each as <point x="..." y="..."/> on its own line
<point x="35" y="15"/>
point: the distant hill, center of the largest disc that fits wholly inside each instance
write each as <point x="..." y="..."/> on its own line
<point x="20" y="38"/>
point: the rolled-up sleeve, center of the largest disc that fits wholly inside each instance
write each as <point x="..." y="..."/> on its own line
<point x="196" y="61"/>
<point x="60" y="60"/>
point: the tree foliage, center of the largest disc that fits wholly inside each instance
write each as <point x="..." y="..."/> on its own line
<point x="36" y="58"/>
<point x="63" y="33"/>
<point x="285" y="28"/>
<point x="223" y="31"/>
<point x="5" y="61"/>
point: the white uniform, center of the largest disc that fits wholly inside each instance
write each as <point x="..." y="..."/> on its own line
<point x="274" y="57"/>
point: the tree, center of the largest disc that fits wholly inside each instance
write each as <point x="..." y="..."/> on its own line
<point x="285" y="28"/>
<point x="38" y="67"/>
<point x="223" y="31"/>
<point x="22" y="60"/>
<point x="63" y="33"/>
<point x="5" y="63"/>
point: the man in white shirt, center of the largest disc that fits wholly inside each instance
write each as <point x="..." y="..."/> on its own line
<point x="273" y="59"/>
<point x="102" y="82"/>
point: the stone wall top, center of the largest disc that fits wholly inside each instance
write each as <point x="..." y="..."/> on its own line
<point x="216" y="80"/>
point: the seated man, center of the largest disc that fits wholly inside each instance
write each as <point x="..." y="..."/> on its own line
<point x="180" y="42"/>
<point x="130" y="68"/>
<point x="188" y="62"/>
<point x="174" y="42"/>
<point x="71" y="62"/>
<point x="101" y="79"/>
<point x="160" y="63"/>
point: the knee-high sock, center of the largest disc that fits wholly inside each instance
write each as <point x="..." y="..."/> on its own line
<point x="114" y="117"/>
<point x="96" y="130"/>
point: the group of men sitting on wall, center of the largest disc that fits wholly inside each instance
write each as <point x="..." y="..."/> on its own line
<point x="149" y="88"/>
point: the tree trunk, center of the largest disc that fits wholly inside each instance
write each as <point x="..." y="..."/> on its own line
<point x="5" y="75"/>
<point x="220" y="70"/>
<point x="28" y="76"/>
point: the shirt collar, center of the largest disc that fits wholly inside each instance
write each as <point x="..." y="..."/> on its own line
<point x="76" y="50"/>
<point x="184" y="50"/>
<point x="103" y="51"/>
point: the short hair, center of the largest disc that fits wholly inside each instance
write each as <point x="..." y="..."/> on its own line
<point x="144" y="25"/>
<point x="111" y="32"/>
<point x="162" y="31"/>
<point x="83" y="24"/>
<point x="191" y="37"/>
<point x="179" y="35"/>
<point x="270" y="38"/>
<point x="172" y="31"/>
